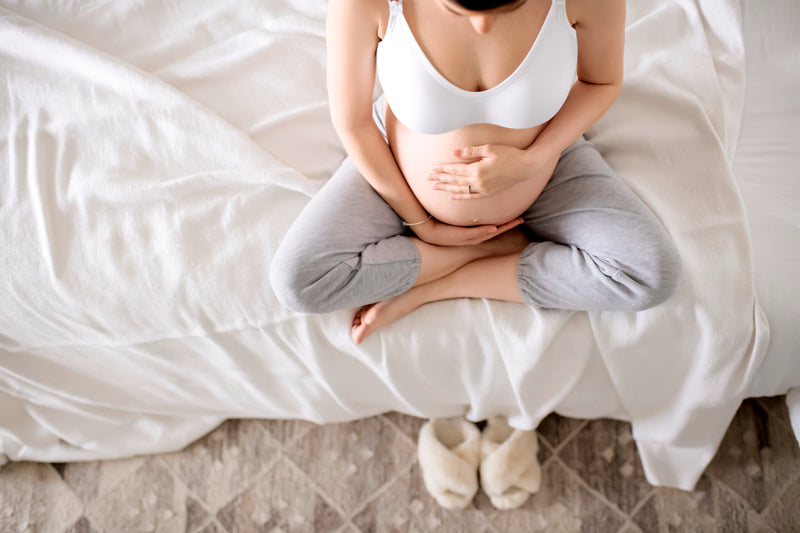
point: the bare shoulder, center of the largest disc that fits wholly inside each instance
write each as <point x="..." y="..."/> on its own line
<point x="594" y="11"/>
<point x="361" y="13"/>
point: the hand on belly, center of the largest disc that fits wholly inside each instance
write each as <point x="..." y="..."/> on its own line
<point x="496" y="209"/>
<point x="416" y="154"/>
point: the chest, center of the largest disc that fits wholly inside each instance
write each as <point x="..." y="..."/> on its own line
<point x="470" y="60"/>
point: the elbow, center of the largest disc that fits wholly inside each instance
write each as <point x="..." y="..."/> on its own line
<point x="348" y="126"/>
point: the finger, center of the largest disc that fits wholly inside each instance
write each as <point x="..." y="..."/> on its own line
<point x="478" y="234"/>
<point x="464" y="196"/>
<point x="509" y="225"/>
<point x="489" y="232"/>
<point x="456" y="169"/>
<point x="449" y="178"/>
<point x="460" y="188"/>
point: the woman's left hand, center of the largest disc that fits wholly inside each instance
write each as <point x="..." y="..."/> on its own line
<point x="491" y="169"/>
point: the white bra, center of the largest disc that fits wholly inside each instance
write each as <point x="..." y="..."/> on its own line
<point x="425" y="101"/>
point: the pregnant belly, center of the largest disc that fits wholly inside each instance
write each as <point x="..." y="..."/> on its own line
<point x="417" y="153"/>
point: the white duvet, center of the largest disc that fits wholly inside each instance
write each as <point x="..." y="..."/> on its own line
<point x="153" y="154"/>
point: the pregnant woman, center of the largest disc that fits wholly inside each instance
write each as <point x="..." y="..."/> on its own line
<point x="478" y="131"/>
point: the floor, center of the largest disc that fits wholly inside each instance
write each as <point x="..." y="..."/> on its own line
<point x="261" y="475"/>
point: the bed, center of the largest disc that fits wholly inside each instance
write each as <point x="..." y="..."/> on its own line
<point x="153" y="154"/>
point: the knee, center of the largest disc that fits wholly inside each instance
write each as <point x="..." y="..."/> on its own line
<point x="287" y="286"/>
<point x="659" y="279"/>
<point x="293" y="285"/>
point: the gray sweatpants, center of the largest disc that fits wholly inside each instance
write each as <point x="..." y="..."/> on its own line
<point x="597" y="246"/>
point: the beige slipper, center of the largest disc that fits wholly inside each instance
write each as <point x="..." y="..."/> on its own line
<point x="509" y="469"/>
<point x="449" y="452"/>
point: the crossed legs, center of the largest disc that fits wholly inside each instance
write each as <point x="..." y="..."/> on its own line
<point x="596" y="247"/>
<point x="490" y="271"/>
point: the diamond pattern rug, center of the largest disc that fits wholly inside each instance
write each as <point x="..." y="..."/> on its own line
<point x="265" y="475"/>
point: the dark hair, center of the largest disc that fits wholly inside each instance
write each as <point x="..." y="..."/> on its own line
<point x="483" y="5"/>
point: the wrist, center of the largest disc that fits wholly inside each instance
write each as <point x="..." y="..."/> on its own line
<point x="417" y="223"/>
<point x="422" y="230"/>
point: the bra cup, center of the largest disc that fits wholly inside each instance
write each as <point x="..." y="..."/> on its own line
<point x="426" y="102"/>
<point x="418" y="104"/>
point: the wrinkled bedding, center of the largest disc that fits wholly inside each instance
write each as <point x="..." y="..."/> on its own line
<point x="153" y="155"/>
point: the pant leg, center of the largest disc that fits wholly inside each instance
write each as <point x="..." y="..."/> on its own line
<point x="346" y="249"/>
<point x="603" y="248"/>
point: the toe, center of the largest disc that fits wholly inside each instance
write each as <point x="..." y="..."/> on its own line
<point x="357" y="333"/>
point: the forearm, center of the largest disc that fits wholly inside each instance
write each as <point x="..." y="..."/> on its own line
<point x="584" y="106"/>
<point x="374" y="159"/>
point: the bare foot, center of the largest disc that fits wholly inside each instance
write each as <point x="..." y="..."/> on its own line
<point x="372" y="317"/>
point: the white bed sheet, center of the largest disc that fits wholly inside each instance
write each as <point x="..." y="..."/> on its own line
<point x="767" y="169"/>
<point x="76" y="387"/>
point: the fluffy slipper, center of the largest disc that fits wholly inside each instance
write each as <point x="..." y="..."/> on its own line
<point x="509" y="469"/>
<point x="449" y="453"/>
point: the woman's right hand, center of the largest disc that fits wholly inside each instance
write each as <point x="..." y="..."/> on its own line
<point x="435" y="232"/>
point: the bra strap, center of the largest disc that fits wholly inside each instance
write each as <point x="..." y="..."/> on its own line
<point x="395" y="6"/>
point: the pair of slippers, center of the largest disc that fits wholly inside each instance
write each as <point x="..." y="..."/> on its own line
<point x="452" y="451"/>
